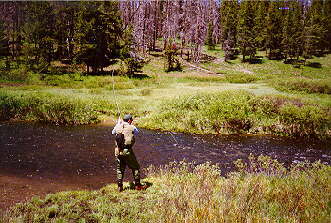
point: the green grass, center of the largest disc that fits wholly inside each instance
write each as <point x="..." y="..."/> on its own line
<point x="213" y="108"/>
<point x="239" y="112"/>
<point x="307" y="85"/>
<point x="44" y="107"/>
<point x="262" y="190"/>
<point x="148" y="96"/>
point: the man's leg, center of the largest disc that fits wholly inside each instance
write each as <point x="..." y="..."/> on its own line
<point x="120" y="168"/>
<point x="135" y="167"/>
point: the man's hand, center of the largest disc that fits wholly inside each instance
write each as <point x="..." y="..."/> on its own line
<point x="117" y="151"/>
<point x="120" y="120"/>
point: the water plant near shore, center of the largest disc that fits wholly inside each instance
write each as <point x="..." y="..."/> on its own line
<point x="261" y="190"/>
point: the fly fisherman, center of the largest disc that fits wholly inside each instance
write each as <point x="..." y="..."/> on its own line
<point x="125" y="132"/>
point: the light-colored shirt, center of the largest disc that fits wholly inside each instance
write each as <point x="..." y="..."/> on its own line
<point x="135" y="129"/>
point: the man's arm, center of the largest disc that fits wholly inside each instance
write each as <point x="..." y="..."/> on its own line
<point x="114" y="130"/>
<point x="135" y="130"/>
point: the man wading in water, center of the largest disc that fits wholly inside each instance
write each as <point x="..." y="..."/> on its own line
<point x="125" y="140"/>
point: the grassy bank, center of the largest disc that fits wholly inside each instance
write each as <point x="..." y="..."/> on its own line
<point x="240" y="112"/>
<point x="50" y="108"/>
<point x="260" y="191"/>
<point x="221" y="111"/>
<point x="307" y="85"/>
<point x="277" y="98"/>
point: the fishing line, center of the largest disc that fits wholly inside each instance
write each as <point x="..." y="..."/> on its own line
<point x="173" y="137"/>
<point x="117" y="106"/>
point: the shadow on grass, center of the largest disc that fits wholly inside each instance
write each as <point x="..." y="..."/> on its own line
<point x="103" y="73"/>
<point x="254" y="60"/>
<point x="139" y="76"/>
<point x="314" y="64"/>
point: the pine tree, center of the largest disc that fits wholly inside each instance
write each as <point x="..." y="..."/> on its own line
<point x="99" y="36"/>
<point x="292" y="30"/>
<point x="64" y="30"/>
<point x="260" y="24"/>
<point x="327" y="24"/>
<point x="228" y="19"/>
<point x="38" y="34"/>
<point x="274" y="24"/>
<point x="246" y="34"/>
<point x="210" y="40"/>
<point x="4" y="50"/>
<point x="314" y="31"/>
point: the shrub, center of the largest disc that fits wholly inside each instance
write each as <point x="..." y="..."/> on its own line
<point x="134" y="64"/>
<point x="306" y="120"/>
<point x="204" y="78"/>
<point x="20" y="74"/>
<point x="145" y="92"/>
<point x="172" y="63"/>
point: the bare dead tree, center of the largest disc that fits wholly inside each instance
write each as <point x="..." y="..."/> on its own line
<point x="180" y="22"/>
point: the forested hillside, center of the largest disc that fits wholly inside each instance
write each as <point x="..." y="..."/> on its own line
<point x="98" y="33"/>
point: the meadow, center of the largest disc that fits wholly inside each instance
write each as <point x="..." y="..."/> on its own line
<point x="272" y="97"/>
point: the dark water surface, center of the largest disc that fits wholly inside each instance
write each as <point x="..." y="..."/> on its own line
<point x="38" y="159"/>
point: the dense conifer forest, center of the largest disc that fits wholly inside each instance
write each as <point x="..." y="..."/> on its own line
<point x="97" y="34"/>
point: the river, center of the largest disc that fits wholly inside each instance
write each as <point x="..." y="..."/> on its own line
<point x="38" y="159"/>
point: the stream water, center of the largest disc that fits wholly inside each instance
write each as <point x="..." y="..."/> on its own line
<point x="38" y="159"/>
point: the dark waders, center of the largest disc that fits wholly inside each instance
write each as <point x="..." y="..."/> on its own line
<point x="127" y="158"/>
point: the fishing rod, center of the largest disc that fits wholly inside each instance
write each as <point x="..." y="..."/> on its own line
<point x="116" y="102"/>
<point x="118" y="108"/>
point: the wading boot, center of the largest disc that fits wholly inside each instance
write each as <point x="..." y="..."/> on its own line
<point x="140" y="187"/>
<point x="120" y="187"/>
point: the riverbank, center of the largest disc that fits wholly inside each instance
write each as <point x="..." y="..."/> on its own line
<point x="210" y="97"/>
<point x="180" y="192"/>
<point x="212" y="109"/>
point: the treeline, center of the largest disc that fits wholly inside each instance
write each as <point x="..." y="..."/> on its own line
<point x="284" y="29"/>
<point x="99" y="33"/>
<point x="37" y="33"/>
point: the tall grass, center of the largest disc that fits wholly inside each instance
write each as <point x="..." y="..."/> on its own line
<point x="242" y="78"/>
<point x="45" y="107"/>
<point x="239" y="112"/>
<point x="262" y="190"/>
<point x="322" y="86"/>
<point x="108" y="82"/>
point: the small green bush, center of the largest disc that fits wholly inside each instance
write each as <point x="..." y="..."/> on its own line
<point x="145" y="92"/>
<point x="19" y="74"/>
